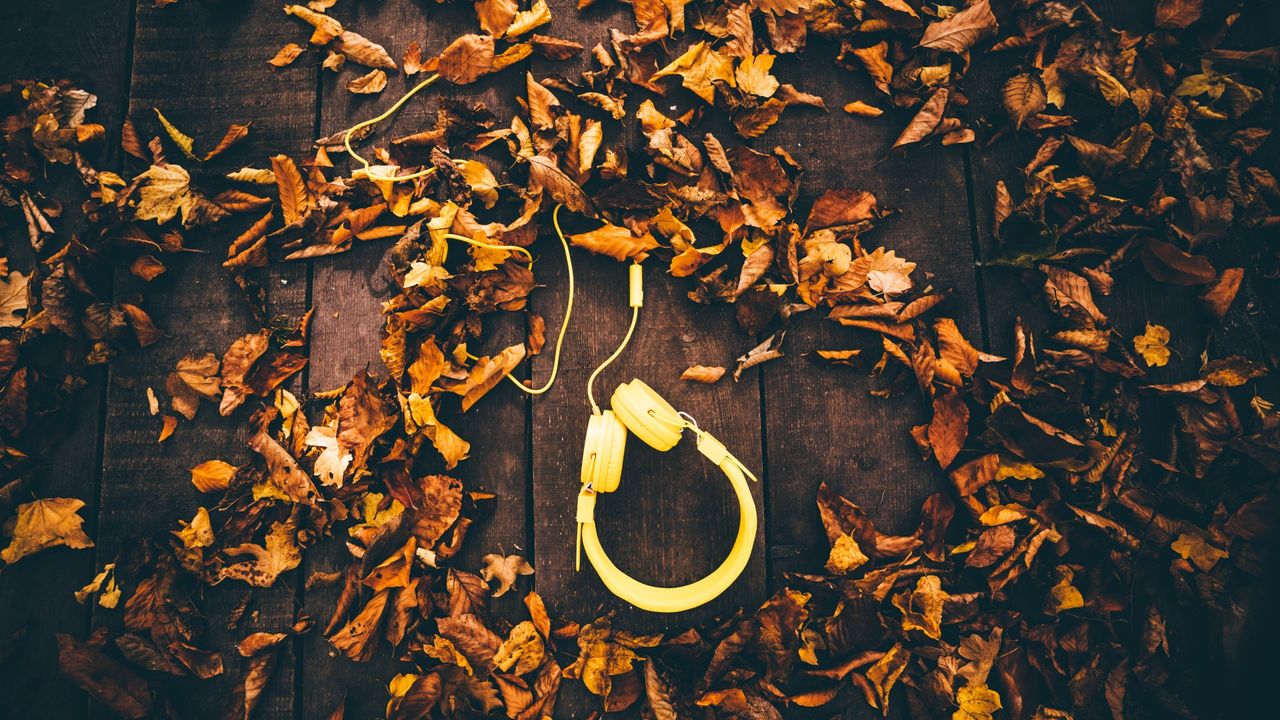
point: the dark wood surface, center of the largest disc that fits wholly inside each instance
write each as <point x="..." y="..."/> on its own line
<point x="203" y="64"/>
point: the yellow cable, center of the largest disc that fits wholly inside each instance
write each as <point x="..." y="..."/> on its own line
<point x="346" y="139"/>
<point x="635" y="313"/>
<point x="492" y="246"/>
<point x="568" y="312"/>
<point x="555" y="219"/>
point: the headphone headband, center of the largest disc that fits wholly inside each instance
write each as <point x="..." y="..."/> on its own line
<point x="641" y="410"/>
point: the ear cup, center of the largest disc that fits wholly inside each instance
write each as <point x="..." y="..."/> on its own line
<point x="602" y="452"/>
<point x="647" y="415"/>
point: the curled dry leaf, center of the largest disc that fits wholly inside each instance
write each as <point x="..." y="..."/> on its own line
<point x="372" y="83"/>
<point x="702" y="373"/>
<point x="504" y="570"/>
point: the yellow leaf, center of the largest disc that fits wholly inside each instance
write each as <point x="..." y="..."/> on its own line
<point x="212" y="475"/>
<point x="46" y="523"/>
<point x="698" y="68"/>
<point x="1063" y="595"/>
<point x="483" y="184"/>
<point x="523" y="650"/>
<point x="702" y="373"/>
<point x="884" y="674"/>
<point x="1002" y="514"/>
<point x="184" y="142"/>
<point x="1152" y="345"/>
<point x="845" y="556"/>
<point x="495" y="16"/>
<point x="922" y="607"/>
<point x="753" y="75"/>
<point x="977" y="702"/>
<point x="1019" y="470"/>
<point x="104" y="583"/>
<point x="1196" y="548"/>
<point x="422" y="415"/>
<point x="857" y="107"/>
<point x="167" y="192"/>
<point x="13" y="298"/>
<point x="616" y="242"/>
<point x="539" y="14"/>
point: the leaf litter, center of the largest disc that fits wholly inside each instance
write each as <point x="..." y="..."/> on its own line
<point x="1102" y="514"/>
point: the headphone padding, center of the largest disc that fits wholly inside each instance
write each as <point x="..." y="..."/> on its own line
<point x="647" y="415"/>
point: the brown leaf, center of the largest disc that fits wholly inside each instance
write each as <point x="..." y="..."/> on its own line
<point x="840" y="208"/>
<point x="357" y="639"/>
<point x="544" y="173"/>
<point x="1023" y="96"/>
<point x="412" y="61"/>
<point x="369" y="84"/>
<point x="295" y="200"/>
<point x="364" y="51"/>
<point x="363" y="416"/>
<point x="1177" y="14"/>
<point x="472" y="638"/>
<point x="504" y="570"/>
<point x="106" y="680"/>
<point x="961" y="31"/>
<point x="236" y="364"/>
<point x="232" y="137"/>
<point x="467" y="59"/>
<point x="1169" y="263"/>
<point x="1217" y="297"/>
<point x="926" y="119"/>
<point x="286" y="55"/>
<point x="248" y="692"/>
<point x="949" y="427"/>
<point x="702" y="373"/>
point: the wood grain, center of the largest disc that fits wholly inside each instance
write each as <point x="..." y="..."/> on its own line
<point x="674" y="516"/>
<point x="821" y="423"/>
<point x="204" y="66"/>
<point x="348" y="291"/>
<point x="87" y="45"/>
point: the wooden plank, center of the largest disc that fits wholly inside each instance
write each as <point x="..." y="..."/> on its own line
<point x="347" y="331"/>
<point x="204" y="65"/>
<point x="87" y="45"/>
<point x="822" y="425"/>
<point x="1011" y="293"/>
<point x="674" y="515"/>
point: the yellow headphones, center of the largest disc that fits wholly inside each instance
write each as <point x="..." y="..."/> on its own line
<point x="637" y="408"/>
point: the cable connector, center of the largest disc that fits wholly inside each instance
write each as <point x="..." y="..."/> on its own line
<point x="636" y="276"/>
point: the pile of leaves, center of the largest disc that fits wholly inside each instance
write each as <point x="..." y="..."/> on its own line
<point x="1100" y="525"/>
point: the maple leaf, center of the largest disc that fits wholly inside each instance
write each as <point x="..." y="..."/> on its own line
<point x="13" y="298"/>
<point x="1153" y="346"/>
<point x="699" y="67"/>
<point x="504" y="570"/>
<point x="976" y="702"/>
<point x="278" y="554"/>
<point x="753" y="75"/>
<point x="166" y="193"/>
<point x="1194" y="546"/>
<point x="46" y="523"/>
